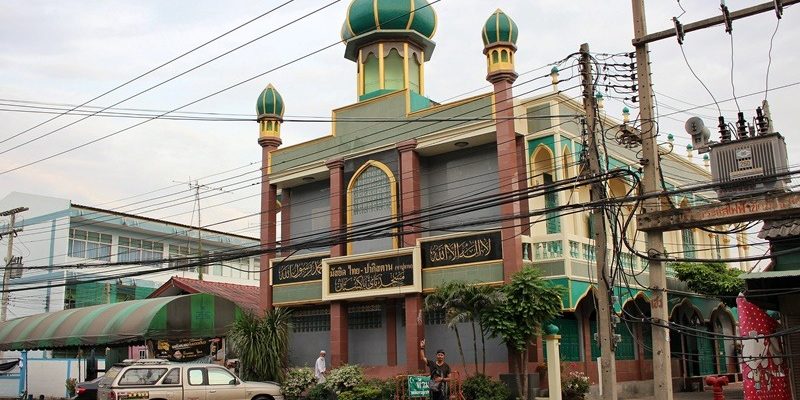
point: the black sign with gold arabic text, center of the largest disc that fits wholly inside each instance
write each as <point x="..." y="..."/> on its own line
<point x="462" y="250"/>
<point x="380" y="273"/>
<point x="308" y="269"/>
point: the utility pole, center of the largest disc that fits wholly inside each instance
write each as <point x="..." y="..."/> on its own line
<point x="651" y="183"/>
<point x="11" y="232"/>
<point x="196" y="186"/>
<point x="605" y="337"/>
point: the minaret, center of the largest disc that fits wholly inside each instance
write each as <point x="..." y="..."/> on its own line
<point x="269" y="109"/>
<point x="499" y="40"/>
<point x="390" y="41"/>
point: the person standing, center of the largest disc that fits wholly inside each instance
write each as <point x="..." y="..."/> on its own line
<point x="440" y="372"/>
<point x="319" y="368"/>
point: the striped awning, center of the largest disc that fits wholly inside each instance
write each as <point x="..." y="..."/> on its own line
<point x="177" y="317"/>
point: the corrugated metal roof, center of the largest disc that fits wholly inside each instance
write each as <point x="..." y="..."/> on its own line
<point x="771" y="274"/>
<point x="244" y="296"/>
<point x="775" y="229"/>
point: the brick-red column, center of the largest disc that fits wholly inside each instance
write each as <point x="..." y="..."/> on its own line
<point x="339" y="345"/>
<point x="391" y="333"/>
<point x="522" y="171"/>
<point x="268" y="231"/>
<point x="415" y="331"/>
<point x="286" y="220"/>
<point x="337" y="205"/>
<point x="409" y="190"/>
<point x="510" y="178"/>
<point x="339" y="348"/>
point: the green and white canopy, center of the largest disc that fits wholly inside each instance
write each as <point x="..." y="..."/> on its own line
<point x="177" y="317"/>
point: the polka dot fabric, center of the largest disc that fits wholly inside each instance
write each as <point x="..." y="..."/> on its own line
<point x="763" y="367"/>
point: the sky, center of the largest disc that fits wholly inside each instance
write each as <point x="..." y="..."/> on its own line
<point x="65" y="53"/>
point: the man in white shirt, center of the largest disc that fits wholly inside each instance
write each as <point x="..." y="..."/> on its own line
<point x="319" y="368"/>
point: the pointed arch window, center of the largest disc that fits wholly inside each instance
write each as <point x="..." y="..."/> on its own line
<point x="371" y="74"/>
<point x="393" y="73"/>
<point x="371" y="198"/>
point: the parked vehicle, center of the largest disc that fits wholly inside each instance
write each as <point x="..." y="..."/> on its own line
<point x="162" y="380"/>
<point x="86" y="390"/>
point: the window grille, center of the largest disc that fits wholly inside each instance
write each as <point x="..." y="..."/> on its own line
<point x="365" y="317"/>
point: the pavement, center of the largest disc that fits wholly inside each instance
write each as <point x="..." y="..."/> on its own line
<point x="733" y="391"/>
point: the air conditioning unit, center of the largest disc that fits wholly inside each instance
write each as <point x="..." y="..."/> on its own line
<point x="747" y="160"/>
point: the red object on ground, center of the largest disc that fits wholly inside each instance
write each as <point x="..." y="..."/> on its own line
<point x="717" y="382"/>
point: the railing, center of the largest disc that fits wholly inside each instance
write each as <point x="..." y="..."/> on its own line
<point x="569" y="247"/>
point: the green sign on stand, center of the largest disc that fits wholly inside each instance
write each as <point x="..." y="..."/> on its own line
<point x="418" y="386"/>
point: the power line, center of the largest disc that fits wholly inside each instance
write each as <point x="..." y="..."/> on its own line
<point x="150" y="71"/>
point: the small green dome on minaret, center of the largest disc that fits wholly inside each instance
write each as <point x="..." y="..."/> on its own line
<point x="499" y="28"/>
<point x="270" y="103"/>
<point x="365" y="16"/>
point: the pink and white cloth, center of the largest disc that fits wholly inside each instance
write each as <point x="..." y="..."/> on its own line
<point x="763" y="366"/>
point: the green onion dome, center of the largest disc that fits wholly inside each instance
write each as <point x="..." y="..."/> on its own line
<point x="365" y="16"/>
<point x="270" y="103"/>
<point x="499" y="28"/>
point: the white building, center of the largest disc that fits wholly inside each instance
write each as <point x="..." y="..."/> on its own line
<point x="56" y="232"/>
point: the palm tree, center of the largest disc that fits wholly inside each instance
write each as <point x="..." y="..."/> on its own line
<point x="481" y="302"/>
<point x="262" y="344"/>
<point x="445" y="298"/>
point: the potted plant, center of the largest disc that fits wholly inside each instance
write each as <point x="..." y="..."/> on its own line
<point x="574" y="386"/>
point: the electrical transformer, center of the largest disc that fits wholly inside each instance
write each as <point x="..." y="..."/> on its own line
<point x="747" y="160"/>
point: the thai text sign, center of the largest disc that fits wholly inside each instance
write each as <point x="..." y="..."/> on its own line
<point x="418" y="386"/>
<point x="187" y="350"/>
<point x="292" y="271"/>
<point x="462" y="250"/>
<point x="379" y="273"/>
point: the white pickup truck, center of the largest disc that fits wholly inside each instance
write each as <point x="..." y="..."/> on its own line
<point x="162" y="380"/>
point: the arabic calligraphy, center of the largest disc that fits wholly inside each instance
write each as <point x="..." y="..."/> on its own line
<point x="462" y="250"/>
<point x="297" y="271"/>
<point x="371" y="275"/>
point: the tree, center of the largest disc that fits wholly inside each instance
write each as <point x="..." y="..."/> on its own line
<point x="446" y="298"/>
<point x="529" y="302"/>
<point x="712" y="279"/>
<point x="480" y="301"/>
<point x="463" y="303"/>
<point x="262" y="344"/>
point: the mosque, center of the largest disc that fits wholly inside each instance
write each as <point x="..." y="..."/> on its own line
<point x="406" y="193"/>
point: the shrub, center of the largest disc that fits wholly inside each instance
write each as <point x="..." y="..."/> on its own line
<point x="297" y="381"/>
<point x="373" y="389"/>
<point x="319" y="392"/>
<point x="575" y="385"/>
<point x="482" y="387"/>
<point x="344" y="378"/>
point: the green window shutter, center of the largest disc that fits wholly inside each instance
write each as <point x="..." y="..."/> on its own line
<point x="705" y="354"/>
<point x="570" y="339"/>
<point x="723" y="359"/>
<point x="592" y="335"/>
<point x="551" y="201"/>
<point x="647" y="341"/>
<point x="626" y="349"/>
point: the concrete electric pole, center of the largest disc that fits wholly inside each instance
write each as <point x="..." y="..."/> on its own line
<point x="11" y="232"/>
<point x="605" y="336"/>
<point x="651" y="177"/>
